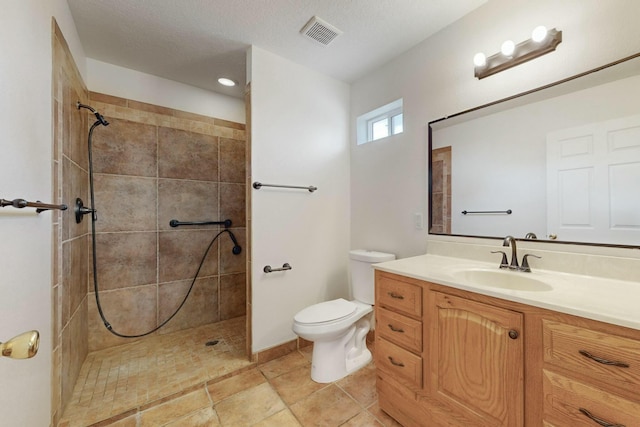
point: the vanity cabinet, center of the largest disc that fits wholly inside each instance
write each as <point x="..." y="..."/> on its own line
<point x="591" y="376"/>
<point x="449" y="357"/>
<point x="476" y="359"/>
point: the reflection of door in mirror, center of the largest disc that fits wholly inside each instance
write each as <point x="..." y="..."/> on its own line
<point x="441" y="190"/>
<point x="593" y="176"/>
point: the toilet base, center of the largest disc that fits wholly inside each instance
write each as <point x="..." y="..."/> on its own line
<point x="333" y="360"/>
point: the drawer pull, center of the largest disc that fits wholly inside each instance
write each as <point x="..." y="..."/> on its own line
<point x="603" y="361"/>
<point x="394" y="295"/>
<point x="394" y="363"/>
<point x="599" y="420"/>
<point x="394" y="329"/>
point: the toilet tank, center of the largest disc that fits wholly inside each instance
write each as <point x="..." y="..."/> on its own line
<point x="362" y="274"/>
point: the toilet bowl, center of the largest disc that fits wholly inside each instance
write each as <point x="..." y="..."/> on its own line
<point x="338" y="328"/>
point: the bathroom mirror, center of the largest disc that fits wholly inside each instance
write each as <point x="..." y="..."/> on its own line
<point x="561" y="162"/>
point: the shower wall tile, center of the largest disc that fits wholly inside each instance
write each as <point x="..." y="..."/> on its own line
<point x="233" y="298"/>
<point x="143" y="106"/>
<point x="130" y="311"/>
<point x="187" y="155"/>
<point x="187" y="201"/>
<point x="125" y="203"/>
<point x="125" y="148"/>
<point x="74" y="270"/>
<point x="180" y="253"/>
<point x="74" y="185"/>
<point x="232" y="160"/>
<point x="74" y="134"/>
<point x="126" y="259"/>
<point x="232" y="203"/>
<point x="115" y="101"/>
<point x="200" y="308"/>
<point x="229" y="262"/>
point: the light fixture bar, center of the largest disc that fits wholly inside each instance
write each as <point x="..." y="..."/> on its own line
<point x="525" y="51"/>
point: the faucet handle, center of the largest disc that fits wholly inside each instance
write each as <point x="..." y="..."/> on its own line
<point x="504" y="263"/>
<point x="525" y="263"/>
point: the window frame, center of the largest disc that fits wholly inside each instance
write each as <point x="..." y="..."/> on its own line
<point x="387" y="112"/>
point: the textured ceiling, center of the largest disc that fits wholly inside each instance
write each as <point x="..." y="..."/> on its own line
<point x="197" y="41"/>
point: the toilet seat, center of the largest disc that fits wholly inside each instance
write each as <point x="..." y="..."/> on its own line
<point x="327" y="311"/>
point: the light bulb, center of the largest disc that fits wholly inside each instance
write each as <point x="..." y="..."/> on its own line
<point x="226" y="82"/>
<point x="508" y="48"/>
<point x="539" y="34"/>
<point x="479" y="60"/>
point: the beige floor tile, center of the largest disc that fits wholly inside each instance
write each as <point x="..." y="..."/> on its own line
<point x="361" y="385"/>
<point x="284" y="364"/>
<point x="327" y="407"/>
<point x="249" y="406"/>
<point x="363" y="419"/>
<point x="221" y="390"/>
<point x="382" y="416"/>
<point x="282" y="419"/>
<point x="175" y="408"/>
<point x="206" y="417"/>
<point x="295" y="385"/>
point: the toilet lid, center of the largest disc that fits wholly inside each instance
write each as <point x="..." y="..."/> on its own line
<point x="326" y="311"/>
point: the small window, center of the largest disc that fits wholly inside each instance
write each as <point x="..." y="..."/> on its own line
<point x="380" y="123"/>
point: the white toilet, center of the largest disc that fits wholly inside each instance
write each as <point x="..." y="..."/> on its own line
<point x="339" y="328"/>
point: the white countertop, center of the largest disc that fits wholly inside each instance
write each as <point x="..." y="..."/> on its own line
<point x="607" y="300"/>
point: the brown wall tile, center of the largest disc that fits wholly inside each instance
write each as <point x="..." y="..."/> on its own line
<point x="126" y="259"/>
<point x="180" y="253"/>
<point x="233" y="300"/>
<point x="229" y="262"/>
<point x="187" y="201"/>
<point x="125" y="203"/>
<point x="200" y="308"/>
<point x="187" y="155"/>
<point x="125" y="148"/>
<point x="232" y="203"/>
<point x="232" y="160"/>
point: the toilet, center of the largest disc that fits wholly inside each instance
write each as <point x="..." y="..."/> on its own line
<point x="338" y="328"/>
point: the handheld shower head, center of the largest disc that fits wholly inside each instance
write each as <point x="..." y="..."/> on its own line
<point x="99" y="117"/>
<point x="236" y="248"/>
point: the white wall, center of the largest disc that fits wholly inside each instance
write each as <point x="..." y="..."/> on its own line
<point x="126" y="83"/>
<point x="25" y="138"/>
<point x="435" y="79"/>
<point x="299" y="136"/>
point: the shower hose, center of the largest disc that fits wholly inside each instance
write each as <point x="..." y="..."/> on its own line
<point x="102" y="121"/>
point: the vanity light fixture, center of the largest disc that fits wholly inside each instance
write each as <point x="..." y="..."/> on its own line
<point x="542" y="41"/>
<point x="226" y="82"/>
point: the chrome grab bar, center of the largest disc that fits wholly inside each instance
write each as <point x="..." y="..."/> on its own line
<point x="258" y="185"/>
<point x="268" y="269"/>
<point x="22" y="203"/>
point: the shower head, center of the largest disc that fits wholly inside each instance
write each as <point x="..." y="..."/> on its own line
<point x="99" y="117"/>
<point x="236" y="248"/>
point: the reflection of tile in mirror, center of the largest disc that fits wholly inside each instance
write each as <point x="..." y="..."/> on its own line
<point x="441" y="190"/>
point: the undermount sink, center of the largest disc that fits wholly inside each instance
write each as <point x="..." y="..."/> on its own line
<point x="503" y="279"/>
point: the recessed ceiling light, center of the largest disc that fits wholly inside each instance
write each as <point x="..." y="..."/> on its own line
<point x="226" y="82"/>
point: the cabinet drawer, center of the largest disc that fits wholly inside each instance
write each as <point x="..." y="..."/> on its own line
<point x="571" y="403"/>
<point x="608" y="358"/>
<point x="399" y="296"/>
<point x="398" y="363"/>
<point x="399" y="329"/>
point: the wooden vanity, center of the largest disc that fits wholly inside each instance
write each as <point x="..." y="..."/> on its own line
<point x="450" y="357"/>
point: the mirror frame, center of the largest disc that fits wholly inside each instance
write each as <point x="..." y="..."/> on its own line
<point x="515" y="97"/>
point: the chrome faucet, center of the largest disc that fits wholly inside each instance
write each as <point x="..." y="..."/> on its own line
<point x="510" y="240"/>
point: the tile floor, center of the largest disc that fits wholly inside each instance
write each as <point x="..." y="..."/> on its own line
<point x="175" y="380"/>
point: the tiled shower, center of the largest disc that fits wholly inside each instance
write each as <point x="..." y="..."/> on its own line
<point x="151" y="164"/>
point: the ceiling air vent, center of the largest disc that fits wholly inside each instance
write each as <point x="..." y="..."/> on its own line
<point x="320" y="31"/>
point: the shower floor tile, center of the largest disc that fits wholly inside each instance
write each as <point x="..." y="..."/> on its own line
<point x="128" y="377"/>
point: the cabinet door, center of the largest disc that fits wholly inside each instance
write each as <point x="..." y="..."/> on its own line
<point x="476" y="360"/>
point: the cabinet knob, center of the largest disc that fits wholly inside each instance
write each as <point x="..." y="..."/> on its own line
<point x="513" y="334"/>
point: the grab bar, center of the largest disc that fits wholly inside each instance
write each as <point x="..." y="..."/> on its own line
<point x="508" y="212"/>
<point x="258" y="185"/>
<point x="176" y="223"/>
<point x="268" y="269"/>
<point x="22" y="203"/>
